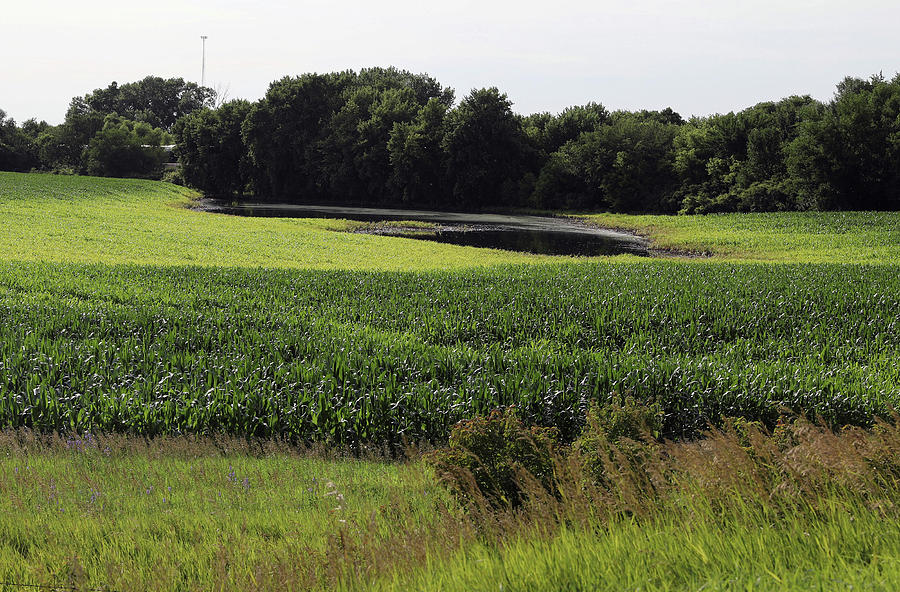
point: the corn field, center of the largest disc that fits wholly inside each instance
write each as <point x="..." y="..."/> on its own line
<point x="347" y="358"/>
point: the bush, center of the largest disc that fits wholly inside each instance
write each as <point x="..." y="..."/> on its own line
<point x="489" y="456"/>
<point x="625" y="417"/>
<point x="493" y="457"/>
<point x="174" y="176"/>
<point x="125" y="149"/>
<point x="619" y="439"/>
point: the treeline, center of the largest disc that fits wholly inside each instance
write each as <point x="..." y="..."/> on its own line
<point x="117" y="131"/>
<point x="384" y="136"/>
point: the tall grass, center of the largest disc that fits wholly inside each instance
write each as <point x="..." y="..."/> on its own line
<point x="805" y="508"/>
<point x="738" y="509"/>
<point x="125" y="513"/>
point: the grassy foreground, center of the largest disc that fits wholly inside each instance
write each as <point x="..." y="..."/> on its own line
<point x="192" y="514"/>
<point x="846" y="547"/>
<point x="118" y="513"/>
<point x="121" y="310"/>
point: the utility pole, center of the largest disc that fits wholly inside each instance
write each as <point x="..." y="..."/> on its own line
<point x="203" y="64"/>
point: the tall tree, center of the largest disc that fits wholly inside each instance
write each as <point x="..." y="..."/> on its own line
<point x="18" y="151"/>
<point x="485" y="150"/>
<point x="211" y="150"/>
<point x="416" y="157"/>
<point x="283" y="131"/>
<point x="850" y="157"/>
<point x="157" y="101"/>
<point x="625" y="166"/>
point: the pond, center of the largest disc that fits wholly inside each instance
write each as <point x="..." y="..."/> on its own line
<point x="528" y="234"/>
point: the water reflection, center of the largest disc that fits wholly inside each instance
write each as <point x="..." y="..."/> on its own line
<point x="528" y="234"/>
<point x="541" y="242"/>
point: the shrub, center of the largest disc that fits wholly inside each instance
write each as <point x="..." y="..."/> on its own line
<point x="489" y="456"/>
<point x="619" y="440"/>
<point x="174" y="176"/>
<point x="745" y="431"/>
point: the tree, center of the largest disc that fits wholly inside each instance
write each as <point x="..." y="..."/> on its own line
<point x="284" y="129"/>
<point x="211" y="149"/>
<point x="416" y="157"/>
<point x="157" y="101"/>
<point x="124" y="148"/>
<point x="325" y="137"/>
<point x="485" y="150"/>
<point x="66" y="145"/>
<point x="423" y="87"/>
<point x="625" y="166"/>
<point x="18" y="151"/>
<point x="849" y="158"/>
<point x="550" y="132"/>
<point x="738" y="161"/>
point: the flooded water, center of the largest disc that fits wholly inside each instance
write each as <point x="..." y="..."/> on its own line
<point x="527" y="234"/>
<point x="543" y="242"/>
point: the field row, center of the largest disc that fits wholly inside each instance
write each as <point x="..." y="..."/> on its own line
<point x="349" y="357"/>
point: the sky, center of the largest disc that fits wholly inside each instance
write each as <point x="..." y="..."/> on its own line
<point x="697" y="56"/>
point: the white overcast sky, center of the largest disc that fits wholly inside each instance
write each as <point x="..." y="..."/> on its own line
<point x="699" y="57"/>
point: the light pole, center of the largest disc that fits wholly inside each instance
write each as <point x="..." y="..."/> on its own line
<point x="203" y="63"/>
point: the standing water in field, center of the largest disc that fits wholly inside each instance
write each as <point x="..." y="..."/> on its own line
<point x="528" y="234"/>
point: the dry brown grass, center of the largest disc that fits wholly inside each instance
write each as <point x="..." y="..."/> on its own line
<point x="797" y="466"/>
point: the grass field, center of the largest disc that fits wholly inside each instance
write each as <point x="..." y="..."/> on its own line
<point x="181" y="514"/>
<point x="120" y="513"/>
<point x="112" y="221"/>
<point x="845" y="549"/>
<point x="784" y="237"/>
<point x="65" y="219"/>
<point x="124" y="312"/>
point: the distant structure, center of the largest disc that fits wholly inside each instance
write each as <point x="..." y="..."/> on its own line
<point x="203" y="62"/>
<point x="169" y="148"/>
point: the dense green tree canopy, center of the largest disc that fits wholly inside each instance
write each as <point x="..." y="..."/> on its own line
<point x="849" y="157"/>
<point x="18" y="151"/>
<point x="124" y="148"/>
<point x="485" y="150"/>
<point x="625" y="166"/>
<point x="416" y="156"/>
<point x="326" y="136"/>
<point x="389" y="136"/>
<point x="159" y="102"/>
<point x="211" y="149"/>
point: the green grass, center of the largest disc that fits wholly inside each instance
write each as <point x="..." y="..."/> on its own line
<point x="113" y="221"/>
<point x="119" y="513"/>
<point x="175" y="514"/>
<point x="67" y="219"/>
<point x="377" y="356"/>
<point x="123" y="311"/>
<point x="786" y="237"/>
<point x="846" y="547"/>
